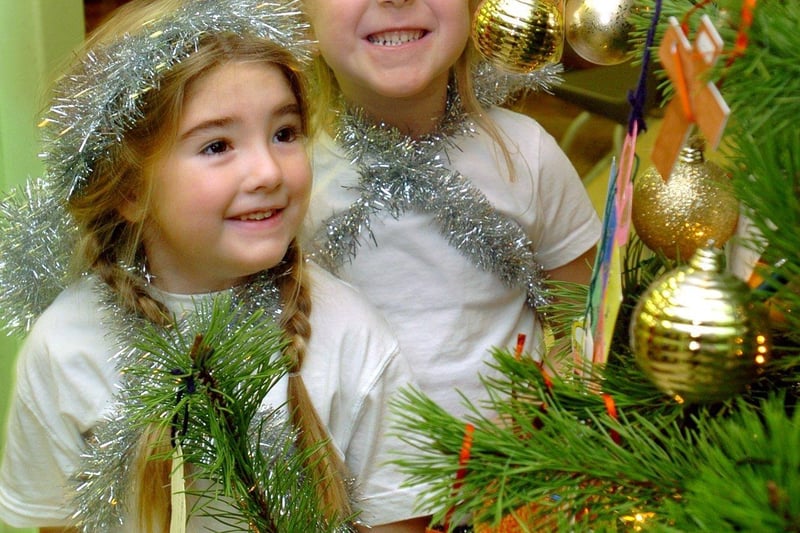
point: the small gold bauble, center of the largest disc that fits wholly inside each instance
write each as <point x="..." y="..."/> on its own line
<point x="519" y="35"/>
<point x="696" y="333"/>
<point x="694" y="206"/>
<point x="599" y="32"/>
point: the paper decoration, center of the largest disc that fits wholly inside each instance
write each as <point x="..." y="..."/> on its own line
<point x="697" y="101"/>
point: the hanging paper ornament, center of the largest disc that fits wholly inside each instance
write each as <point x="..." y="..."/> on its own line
<point x="695" y="205"/>
<point x="599" y="31"/>
<point x="697" y="334"/>
<point x="519" y="35"/>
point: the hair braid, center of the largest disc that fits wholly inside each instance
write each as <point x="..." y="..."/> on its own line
<point x="328" y="470"/>
<point x="102" y="259"/>
<point x="152" y="491"/>
<point x="131" y="291"/>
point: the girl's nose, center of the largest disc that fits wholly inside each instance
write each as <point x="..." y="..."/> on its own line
<point x="264" y="171"/>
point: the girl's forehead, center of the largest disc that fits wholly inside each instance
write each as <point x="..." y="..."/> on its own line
<point x="238" y="88"/>
<point x="229" y="72"/>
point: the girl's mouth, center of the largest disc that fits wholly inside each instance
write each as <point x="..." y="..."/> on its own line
<point x="395" y="38"/>
<point x="260" y="215"/>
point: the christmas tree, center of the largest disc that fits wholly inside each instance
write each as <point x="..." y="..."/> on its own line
<point x="690" y="422"/>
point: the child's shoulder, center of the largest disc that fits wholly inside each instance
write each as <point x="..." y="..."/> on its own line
<point x="511" y="120"/>
<point x="69" y="337"/>
<point x="329" y="293"/>
<point x="77" y="304"/>
<point x="349" y="337"/>
<point x="340" y="309"/>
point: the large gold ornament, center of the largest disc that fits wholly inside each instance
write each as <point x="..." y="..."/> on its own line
<point x="519" y="35"/>
<point x="599" y="30"/>
<point x="694" y="206"/>
<point x="696" y="333"/>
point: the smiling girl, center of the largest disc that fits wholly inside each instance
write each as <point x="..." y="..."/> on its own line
<point x="446" y="211"/>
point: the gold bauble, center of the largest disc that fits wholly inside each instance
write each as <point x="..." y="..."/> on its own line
<point x="519" y="35"/>
<point x="599" y="30"/>
<point x="696" y="333"/>
<point x="694" y="206"/>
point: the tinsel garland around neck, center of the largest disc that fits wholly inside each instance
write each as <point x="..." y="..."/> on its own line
<point x="399" y="173"/>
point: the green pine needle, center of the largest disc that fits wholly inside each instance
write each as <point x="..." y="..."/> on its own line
<point x="204" y="381"/>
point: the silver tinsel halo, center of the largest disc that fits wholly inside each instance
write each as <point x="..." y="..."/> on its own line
<point x="92" y="109"/>
<point x="399" y="173"/>
<point x="95" y="105"/>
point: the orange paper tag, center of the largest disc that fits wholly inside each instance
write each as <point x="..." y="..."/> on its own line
<point x="697" y="101"/>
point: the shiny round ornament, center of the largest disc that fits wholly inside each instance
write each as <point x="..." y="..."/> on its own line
<point x="696" y="333"/>
<point x="519" y="35"/>
<point x="694" y="206"/>
<point x="599" y="30"/>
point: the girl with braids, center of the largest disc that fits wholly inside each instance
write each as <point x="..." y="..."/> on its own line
<point x="205" y="186"/>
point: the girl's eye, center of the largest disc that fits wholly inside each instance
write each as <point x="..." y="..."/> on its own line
<point x="287" y="134"/>
<point x="216" y="147"/>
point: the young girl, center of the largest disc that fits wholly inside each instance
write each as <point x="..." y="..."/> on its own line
<point x="446" y="213"/>
<point x="180" y="146"/>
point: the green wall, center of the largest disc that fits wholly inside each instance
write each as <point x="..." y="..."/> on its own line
<point x="35" y="37"/>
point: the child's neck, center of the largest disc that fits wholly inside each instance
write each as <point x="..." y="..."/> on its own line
<point x="414" y="116"/>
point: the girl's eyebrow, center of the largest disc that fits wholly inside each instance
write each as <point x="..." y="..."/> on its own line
<point x="215" y="123"/>
<point x="289" y="109"/>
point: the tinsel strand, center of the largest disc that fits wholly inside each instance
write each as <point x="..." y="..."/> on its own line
<point x="399" y="174"/>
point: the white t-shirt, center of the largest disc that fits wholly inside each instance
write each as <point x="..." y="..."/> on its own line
<point x="448" y="313"/>
<point x="65" y="380"/>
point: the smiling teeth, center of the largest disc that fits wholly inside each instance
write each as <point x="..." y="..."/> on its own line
<point x="395" y="38"/>
<point x="257" y="216"/>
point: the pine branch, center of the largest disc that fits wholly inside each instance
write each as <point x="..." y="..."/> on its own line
<point x="747" y="473"/>
<point x="566" y="454"/>
<point x="205" y="381"/>
<point x="567" y="303"/>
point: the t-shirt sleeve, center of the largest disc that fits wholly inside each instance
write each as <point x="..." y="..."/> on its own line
<point x="64" y="379"/>
<point x="547" y="196"/>
<point x="379" y="492"/>
<point x="353" y="369"/>
<point x="570" y="222"/>
<point x="41" y="447"/>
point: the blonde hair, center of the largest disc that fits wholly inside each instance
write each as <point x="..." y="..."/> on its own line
<point x="326" y="93"/>
<point x="110" y="243"/>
